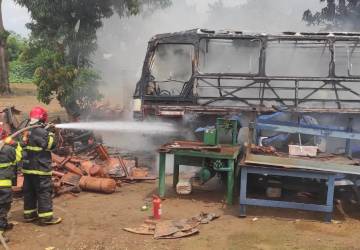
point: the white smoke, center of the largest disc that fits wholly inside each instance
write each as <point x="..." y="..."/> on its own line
<point x="122" y="43"/>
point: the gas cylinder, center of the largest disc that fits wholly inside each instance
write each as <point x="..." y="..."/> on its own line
<point x="101" y="185"/>
<point x="156" y="207"/>
<point x="97" y="171"/>
<point x="86" y="166"/>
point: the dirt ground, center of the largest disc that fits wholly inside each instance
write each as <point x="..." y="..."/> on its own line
<point x="24" y="98"/>
<point x="96" y="221"/>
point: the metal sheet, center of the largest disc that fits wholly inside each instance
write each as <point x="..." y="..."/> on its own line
<point x="326" y="166"/>
<point x="326" y="132"/>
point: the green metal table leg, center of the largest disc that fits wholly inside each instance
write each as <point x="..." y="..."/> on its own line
<point x="176" y="172"/>
<point x="230" y="182"/>
<point x="162" y="159"/>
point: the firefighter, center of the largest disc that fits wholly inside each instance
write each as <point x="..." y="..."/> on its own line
<point x="10" y="155"/>
<point x="38" y="187"/>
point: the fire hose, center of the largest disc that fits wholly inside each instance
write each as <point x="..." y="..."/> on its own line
<point x="2" y="142"/>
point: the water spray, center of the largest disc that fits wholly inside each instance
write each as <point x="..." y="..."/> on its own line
<point x="121" y="126"/>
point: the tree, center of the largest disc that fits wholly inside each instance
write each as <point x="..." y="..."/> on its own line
<point x="4" y="77"/>
<point x="21" y="65"/>
<point x="66" y="32"/>
<point x="15" y="45"/>
<point x="341" y="15"/>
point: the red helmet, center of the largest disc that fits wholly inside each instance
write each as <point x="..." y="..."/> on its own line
<point x="3" y="133"/>
<point x="39" y="113"/>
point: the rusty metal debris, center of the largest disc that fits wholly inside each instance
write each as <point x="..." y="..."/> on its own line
<point x="193" y="145"/>
<point x="75" y="142"/>
<point x="95" y="171"/>
<point x="9" y="119"/>
<point x="173" y="229"/>
<point x="80" y="160"/>
<point x="263" y="150"/>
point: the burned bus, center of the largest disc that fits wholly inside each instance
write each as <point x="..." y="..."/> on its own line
<point x="214" y="73"/>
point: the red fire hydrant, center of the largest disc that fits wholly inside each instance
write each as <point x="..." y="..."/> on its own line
<point x="156" y="207"/>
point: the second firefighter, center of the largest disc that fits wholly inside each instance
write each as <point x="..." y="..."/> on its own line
<point x="37" y="170"/>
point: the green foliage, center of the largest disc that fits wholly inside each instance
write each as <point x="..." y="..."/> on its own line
<point x="135" y="7"/>
<point x="65" y="82"/>
<point x="84" y="89"/>
<point x="4" y="35"/>
<point x="73" y="24"/>
<point x="15" y="45"/>
<point x="64" y="33"/>
<point x="341" y="15"/>
<point x="20" y="72"/>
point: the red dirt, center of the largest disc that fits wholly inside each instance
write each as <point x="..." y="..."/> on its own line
<point x="95" y="221"/>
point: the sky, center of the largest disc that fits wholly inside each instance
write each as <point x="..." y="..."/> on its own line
<point x="15" y="17"/>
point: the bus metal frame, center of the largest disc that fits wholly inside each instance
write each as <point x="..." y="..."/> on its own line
<point x="188" y="102"/>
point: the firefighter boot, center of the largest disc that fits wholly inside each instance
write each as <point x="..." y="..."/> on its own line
<point x="30" y="217"/>
<point x="50" y="221"/>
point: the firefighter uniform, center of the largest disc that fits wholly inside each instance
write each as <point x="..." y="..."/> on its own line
<point x="37" y="175"/>
<point x="10" y="155"/>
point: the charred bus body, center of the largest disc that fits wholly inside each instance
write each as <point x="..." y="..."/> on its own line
<point x="215" y="73"/>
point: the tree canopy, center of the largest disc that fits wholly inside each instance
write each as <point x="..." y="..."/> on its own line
<point x="341" y="15"/>
<point x="15" y="44"/>
<point x="65" y="31"/>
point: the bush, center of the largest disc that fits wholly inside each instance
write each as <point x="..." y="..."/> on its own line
<point x="21" y="72"/>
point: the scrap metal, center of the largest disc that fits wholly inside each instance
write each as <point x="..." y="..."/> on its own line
<point x="173" y="229"/>
<point x="80" y="159"/>
<point x="9" y="119"/>
<point x="102" y="173"/>
<point x="188" y="145"/>
<point x="344" y="165"/>
<point x="99" y="172"/>
<point x="309" y="130"/>
<point x="255" y="149"/>
<point x="301" y="163"/>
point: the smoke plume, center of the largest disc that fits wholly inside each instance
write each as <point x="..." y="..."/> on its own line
<point x="123" y="42"/>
